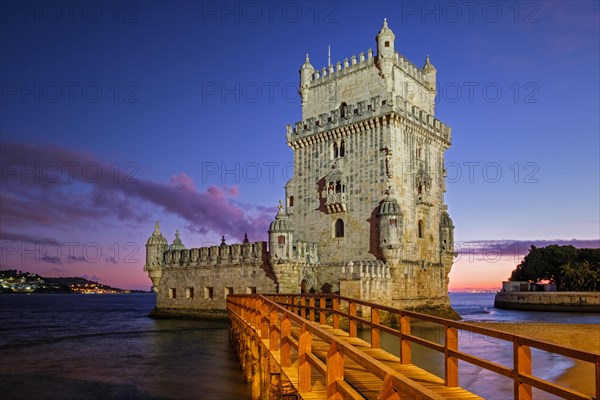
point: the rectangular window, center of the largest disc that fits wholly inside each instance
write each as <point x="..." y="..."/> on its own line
<point x="172" y="293"/>
<point x="189" y="293"/>
<point x="281" y="239"/>
<point x="251" y="290"/>
<point x="228" y="290"/>
<point x="291" y="201"/>
<point x="208" y="293"/>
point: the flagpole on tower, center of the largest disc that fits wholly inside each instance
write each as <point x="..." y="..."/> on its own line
<point x="328" y="55"/>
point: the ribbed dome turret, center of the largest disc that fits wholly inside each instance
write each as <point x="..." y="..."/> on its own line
<point x="445" y="220"/>
<point x="177" y="244"/>
<point x="385" y="30"/>
<point x="389" y="207"/>
<point x="157" y="237"/>
<point x="280" y="223"/>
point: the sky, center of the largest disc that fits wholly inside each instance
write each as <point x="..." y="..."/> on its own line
<point x="116" y="114"/>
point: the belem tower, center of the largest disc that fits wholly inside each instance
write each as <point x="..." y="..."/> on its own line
<point x="364" y="213"/>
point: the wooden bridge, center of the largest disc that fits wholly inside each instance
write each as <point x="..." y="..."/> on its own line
<point x="307" y="347"/>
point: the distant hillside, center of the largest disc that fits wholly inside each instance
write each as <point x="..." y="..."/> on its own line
<point x="13" y="281"/>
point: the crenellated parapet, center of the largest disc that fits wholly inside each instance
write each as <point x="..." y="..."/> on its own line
<point x="365" y="60"/>
<point x="251" y="253"/>
<point x="342" y="121"/>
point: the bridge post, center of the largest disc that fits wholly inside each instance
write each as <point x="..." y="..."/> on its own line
<point x="304" y="372"/>
<point x="302" y="309"/>
<point x="265" y="369"/>
<point x="335" y="371"/>
<point x="256" y="381"/>
<point x="322" y="313"/>
<point x="522" y="365"/>
<point x="256" y="309"/>
<point x="247" y="357"/>
<point x="274" y="332"/>
<point x="264" y="321"/>
<point x="405" y="356"/>
<point x="311" y="312"/>
<point x="336" y="316"/>
<point x="352" y="321"/>
<point x="375" y="333"/>
<point x="451" y="374"/>
<point x="285" y="355"/>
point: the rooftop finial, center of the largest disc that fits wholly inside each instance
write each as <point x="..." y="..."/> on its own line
<point x="246" y="238"/>
<point x="385" y="22"/>
<point x="177" y="233"/>
<point x="280" y="206"/>
<point x="157" y="226"/>
<point x="307" y="59"/>
<point x="223" y="240"/>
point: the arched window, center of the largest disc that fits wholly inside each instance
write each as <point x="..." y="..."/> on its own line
<point x="338" y="187"/>
<point x="335" y="150"/>
<point x="339" y="228"/>
<point x="342" y="149"/>
<point x="393" y="222"/>
<point x="420" y="188"/>
<point x="420" y="228"/>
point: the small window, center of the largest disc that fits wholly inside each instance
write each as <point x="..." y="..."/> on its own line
<point x="208" y="293"/>
<point x="281" y="239"/>
<point x="172" y="293"/>
<point x="189" y="293"/>
<point x="419" y="153"/>
<point x="342" y="149"/>
<point x="250" y="290"/>
<point x="291" y="201"/>
<point x="387" y="43"/>
<point x="228" y="290"/>
<point x="335" y="150"/>
<point x="343" y="110"/>
<point x="339" y="228"/>
<point x="393" y="222"/>
<point x="420" y="228"/>
<point x="420" y="189"/>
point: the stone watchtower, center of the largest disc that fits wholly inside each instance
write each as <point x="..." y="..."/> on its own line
<point x="368" y="185"/>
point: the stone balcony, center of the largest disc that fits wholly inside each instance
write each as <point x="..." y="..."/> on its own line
<point x="335" y="202"/>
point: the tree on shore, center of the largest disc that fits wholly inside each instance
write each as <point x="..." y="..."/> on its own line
<point x="567" y="267"/>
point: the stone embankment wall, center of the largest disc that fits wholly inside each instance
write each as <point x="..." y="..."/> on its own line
<point x="549" y="301"/>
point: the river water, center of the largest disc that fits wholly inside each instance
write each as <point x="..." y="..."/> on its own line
<point x="105" y="347"/>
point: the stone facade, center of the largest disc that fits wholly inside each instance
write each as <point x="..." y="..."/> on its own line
<point x="364" y="213"/>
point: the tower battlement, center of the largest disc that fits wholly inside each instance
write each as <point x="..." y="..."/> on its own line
<point x="252" y="253"/>
<point x="355" y="64"/>
<point x="364" y="111"/>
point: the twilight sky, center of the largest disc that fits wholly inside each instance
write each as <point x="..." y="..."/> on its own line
<point x="116" y="114"/>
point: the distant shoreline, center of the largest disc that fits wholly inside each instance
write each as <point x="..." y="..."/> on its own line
<point x="588" y="302"/>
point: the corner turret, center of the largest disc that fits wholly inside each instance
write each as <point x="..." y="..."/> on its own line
<point x="306" y="76"/>
<point x="177" y="244"/>
<point x="280" y="237"/>
<point x="155" y="248"/>
<point x="390" y="230"/>
<point x="430" y="73"/>
<point x="385" y="49"/>
<point x="446" y="232"/>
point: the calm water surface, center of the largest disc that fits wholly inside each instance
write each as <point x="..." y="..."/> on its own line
<point x="105" y="347"/>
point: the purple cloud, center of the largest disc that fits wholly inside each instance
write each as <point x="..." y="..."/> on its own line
<point x="65" y="188"/>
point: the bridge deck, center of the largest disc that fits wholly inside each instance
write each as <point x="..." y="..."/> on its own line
<point x="362" y="380"/>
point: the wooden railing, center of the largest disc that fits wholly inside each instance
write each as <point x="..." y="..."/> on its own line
<point x="305" y="310"/>
<point x="263" y="313"/>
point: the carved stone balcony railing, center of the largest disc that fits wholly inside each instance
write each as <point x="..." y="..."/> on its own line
<point x="335" y="202"/>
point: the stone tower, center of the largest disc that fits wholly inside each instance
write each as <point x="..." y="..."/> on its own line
<point x="368" y="185"/>
<point x="155" y="248"/>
